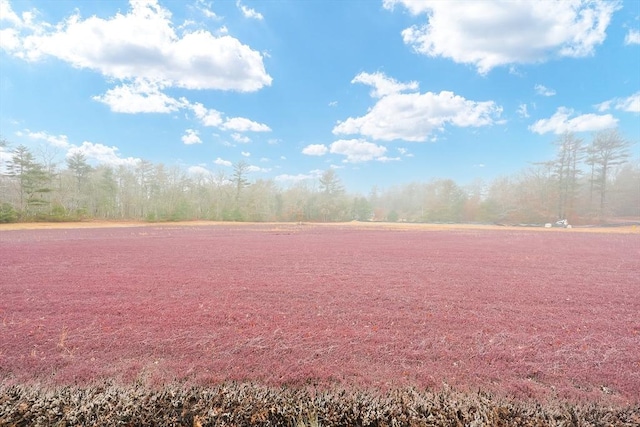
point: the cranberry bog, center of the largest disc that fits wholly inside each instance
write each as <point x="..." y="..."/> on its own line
<point x="531" y="315"/>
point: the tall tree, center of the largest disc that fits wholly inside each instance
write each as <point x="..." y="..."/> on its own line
<point x="331" y="203"/>
<point x="32" y="179"/>
<point x="569" y="154"/>
<point x="77" y="164"/>
<point x="240" y="182"/>
<point x="105" y="192"/>
<point x="80" y="169"/>
<point x="608" y="150"/>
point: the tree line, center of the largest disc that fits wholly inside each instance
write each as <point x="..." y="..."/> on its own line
<point x="584" y="183"/>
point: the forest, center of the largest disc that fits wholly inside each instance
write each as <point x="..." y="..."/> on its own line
<point x="587" y="182"/>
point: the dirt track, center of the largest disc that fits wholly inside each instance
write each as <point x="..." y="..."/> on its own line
<point x="279" y="225"/>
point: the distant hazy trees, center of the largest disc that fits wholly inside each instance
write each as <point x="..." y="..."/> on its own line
<point x="607" y="151"/>
<point x="586" y="182"/>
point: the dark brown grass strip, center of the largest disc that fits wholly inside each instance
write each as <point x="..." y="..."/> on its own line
<point x="249" y="404"/>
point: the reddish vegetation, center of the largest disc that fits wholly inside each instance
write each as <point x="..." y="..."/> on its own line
<point x="528" y="313"/>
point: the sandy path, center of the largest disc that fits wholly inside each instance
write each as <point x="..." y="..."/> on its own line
<point x="353" y="224"/>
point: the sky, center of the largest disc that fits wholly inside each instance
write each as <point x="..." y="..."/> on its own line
<point x="387" y="92"/>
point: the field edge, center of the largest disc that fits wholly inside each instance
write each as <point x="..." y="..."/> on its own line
<point x="633" y="229"/>
<point x="253" y="404"/>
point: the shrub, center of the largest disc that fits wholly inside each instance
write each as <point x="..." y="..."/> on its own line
<point x="8" y="213"/>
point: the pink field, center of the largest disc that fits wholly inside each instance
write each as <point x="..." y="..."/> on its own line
<point x="542" y="314"/>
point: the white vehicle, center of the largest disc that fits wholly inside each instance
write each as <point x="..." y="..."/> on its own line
<point x="561" y="223"/>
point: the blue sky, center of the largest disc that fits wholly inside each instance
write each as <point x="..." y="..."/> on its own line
<point x="386" y="91"/>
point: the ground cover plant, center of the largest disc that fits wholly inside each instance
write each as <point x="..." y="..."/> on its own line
<point x="548" y="315"/>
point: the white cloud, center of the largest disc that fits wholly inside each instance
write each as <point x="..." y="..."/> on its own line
<point x="560" y="122"/>
<point x="357" y="150"/>
<point x="543" y="90"/>
<point x="333" y="104"/>
<point x="253" y="168"/>
<point x="488" y="34"/>
<point x="138" y="97"/>
<point x="208" y="117"/>
<point x="60" y="141"/>
<point x="199" y="170"/>
<point x="604" y="106"/>
<point x="95" y="153"/>
<point x="242" y="139"/>
<point x="7" y="14"/>
<point x="245" y="153"/>
<point x="404" y="152"/>
<point x="205" y="8"/>
<point x="630" y="104"/>
<point x="103" y="154"/>
<point x="383" y="85"/>
<point x="632" y="37"/>
<point x="191" y="137"/>
<point x="385" y="159"/>
<point x="142" y="44"/>
<point x="315" y="150"/>
<point x="240" y="124"/>
<point x="523" y="111"/>
<point x="248" y="12"/>
<point x="222" y="162"/>
<point x="413" y="116"/>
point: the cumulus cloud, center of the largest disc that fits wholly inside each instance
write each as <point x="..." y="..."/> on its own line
<point x="142" y="44"/>
<point x="191" y="137"/>
<point x="59" y="141"/>
<point x="357" y="150"/>
<point x="239" y="138"/>
<point x="245" y="154"/>
<point x="383" y="85"/>
<point x="488" y="34"/>
<point x="561" y="122"/>
<point x="248" y="12"/>
<point x="140" y="96"/>
<point x="103" y="154"/>
<point x="222" y="162"/>
<point x="141" y="52"/>
<point x="240" y="124"/>
<point x="253" y="168"/>
<point x="543" y="90"/>
<point x="207" y="116"/>
<point x="199" y="171"/>
<point x="95" y="153"/>
<point x="630" y="104"/>
<point x="315" y="150"/>
<point x="414" y="116"/>
<point x="632" y="37"/>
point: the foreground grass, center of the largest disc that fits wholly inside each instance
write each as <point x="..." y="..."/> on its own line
<point x="240" y="404"/>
